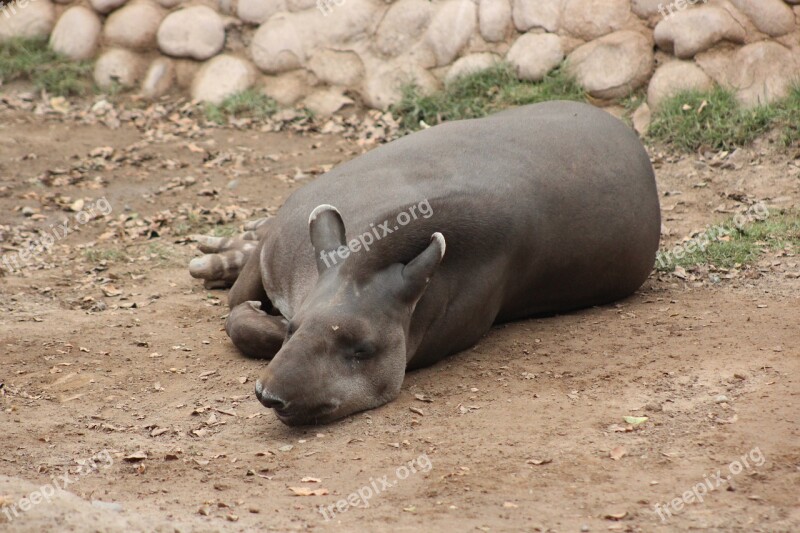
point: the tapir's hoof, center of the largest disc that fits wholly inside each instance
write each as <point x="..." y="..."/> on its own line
<point x="223" y="260"/>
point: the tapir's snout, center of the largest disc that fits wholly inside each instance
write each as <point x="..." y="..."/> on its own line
<point x="293" y="413"/>
<point x="269" y="400"/>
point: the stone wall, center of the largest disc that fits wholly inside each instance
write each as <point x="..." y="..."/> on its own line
<point x="323" y="52"/>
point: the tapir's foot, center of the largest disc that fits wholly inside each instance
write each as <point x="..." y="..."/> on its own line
<point x="225" y="256"/>
<point x="254" y="332"/>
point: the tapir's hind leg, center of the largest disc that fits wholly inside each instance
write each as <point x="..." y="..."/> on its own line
<point x="254" y="332"/>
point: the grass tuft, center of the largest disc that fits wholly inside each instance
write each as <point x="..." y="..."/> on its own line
<point x="479" y="94"/>
<point x="33" y="60"/>
<point x="694" y="119"/>
<point x="251" y="103"/>
<point x="736" y="245"/>
<point x="788" y="119"/>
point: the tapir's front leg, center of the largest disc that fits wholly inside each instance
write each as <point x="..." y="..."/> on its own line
<point x="254" y="332"/>
<point x="225" y="257"/>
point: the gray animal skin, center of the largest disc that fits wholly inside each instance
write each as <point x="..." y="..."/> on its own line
<point x="536" y="210"/>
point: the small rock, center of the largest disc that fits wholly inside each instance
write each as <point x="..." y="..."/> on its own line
<point x="641" y="119"/>
<point x="159" y="78"/>
<point x="108" y="506"/>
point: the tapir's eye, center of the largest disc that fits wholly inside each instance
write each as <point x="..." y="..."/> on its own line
<point x="362" y="351"/>
<point x="290" y="329"/>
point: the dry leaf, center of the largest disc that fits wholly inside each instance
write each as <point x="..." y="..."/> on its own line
<point x="539" y="461"/>
<point x="136" y="456"/>
<point x="618" y="453"/>
<point x="307" y="491"/>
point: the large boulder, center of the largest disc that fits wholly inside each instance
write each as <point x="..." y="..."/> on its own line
<point x="197" y="32"/>
<point x="674" y="77"/>
<point x="278" y="45"/>
<point x="336" y="67"/>
<point x="77" y="33"/>
<point x="326" y="102"/>
<point x="118" y="67"/>
<point x="648" y="8"/>
<point x="614" y="65"/>
<point x="302" y="5"/>
<point x="106" y="6"/>
<point x="288" y="88"/>
<point x="32" y="20"/>
<point x="688" y="32"/>
<point x="763" y="73"/>
<point x="494" y="19"/>
<point x="450" y="30"/>
<point x="471" y="64"/>
<point x="134" y="26"/>
<point x="403" y="25"/>
<point x="383" y="84"/>
<point x="590" y="19"/>
<point x="221" y="77"/>
<point x="533" y="55"/>
<point x="286" y="40"/>
<point x="259" y="11"/>
<point x="530" y="14"/>
<point x="772" y="17"/>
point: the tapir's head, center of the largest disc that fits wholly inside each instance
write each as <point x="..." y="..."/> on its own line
<point x="345" y="349"/>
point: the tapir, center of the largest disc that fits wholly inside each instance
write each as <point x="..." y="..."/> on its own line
<point x="413" y="250"/>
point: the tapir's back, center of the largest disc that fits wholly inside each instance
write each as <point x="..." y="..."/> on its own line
<point x="558" y="189"/>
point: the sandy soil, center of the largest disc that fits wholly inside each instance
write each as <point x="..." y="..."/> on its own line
<point x="111" y="351"/>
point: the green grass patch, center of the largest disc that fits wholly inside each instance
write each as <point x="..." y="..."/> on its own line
<point x="735" y="245"/>
<point x="480" y="94"/>
<point x="715" y="120"/>
<point x="251" y="103"/>
<point x="33" y="60"/>
<point x="788" y="119"/>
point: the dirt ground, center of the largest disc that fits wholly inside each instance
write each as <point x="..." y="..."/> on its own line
<point x="111" y="351"/>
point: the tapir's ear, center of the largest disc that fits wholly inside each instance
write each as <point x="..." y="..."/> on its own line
<point x="327" y="234"/>
<point x="419" y="271"/>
